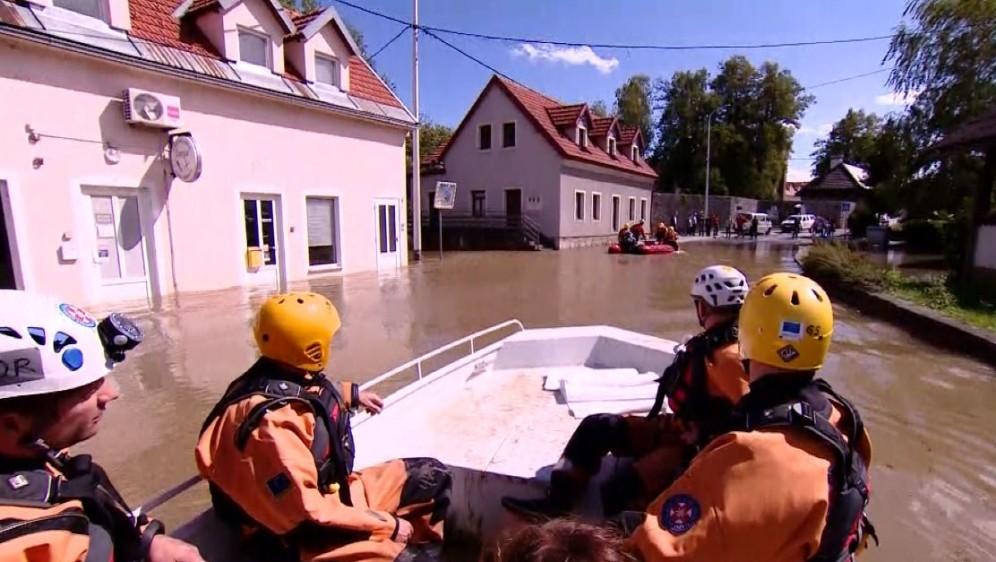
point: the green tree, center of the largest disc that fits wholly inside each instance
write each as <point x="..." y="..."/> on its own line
<point x="947" y="56"/>
<point x="854" y="138"/>
<point x="679" y="155"/>
<point x="750" y="109"/>
<point x="431" y="136"/>
<point x="633" y="104"/>
<point x="598" y="108"/>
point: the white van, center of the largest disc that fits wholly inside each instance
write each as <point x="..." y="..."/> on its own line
<point x="764" y="224"/>
<point x="805" y="223"/>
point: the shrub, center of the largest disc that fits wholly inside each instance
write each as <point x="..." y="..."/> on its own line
<point x="859" y="221"/>
<point x="837" y="262"/>
<point x="925" y="236"/>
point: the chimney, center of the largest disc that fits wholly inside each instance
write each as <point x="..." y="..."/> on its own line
<point x="835" y="160"/>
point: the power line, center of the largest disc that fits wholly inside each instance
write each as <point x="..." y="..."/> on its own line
<point x="855" y="77"/>
<point x="512" y="39"/>
<point x="468" y="55"/>
<point x="388" y="44"/>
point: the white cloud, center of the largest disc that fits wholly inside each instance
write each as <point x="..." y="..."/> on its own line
<point x="897" y="98"/>
<point x="572" y="56"/>
<point x="799" y="173"/>
<point x="821" y="130"/>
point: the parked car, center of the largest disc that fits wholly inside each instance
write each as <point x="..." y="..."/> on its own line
<point x="764" y="224"/>
<point x="805" y="223"/>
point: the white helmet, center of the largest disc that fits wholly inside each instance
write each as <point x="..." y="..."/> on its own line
<point x="720" y="286"/>
<point x="46" y="346"/>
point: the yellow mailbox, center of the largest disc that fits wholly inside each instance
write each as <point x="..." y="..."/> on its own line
<point x="254" y="258"/>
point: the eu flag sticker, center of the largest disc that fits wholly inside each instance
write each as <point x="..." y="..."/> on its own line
<point x="791" y="331"/>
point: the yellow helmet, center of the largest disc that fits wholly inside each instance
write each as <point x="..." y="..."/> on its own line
<point x="296" y="329"/>
<point x="786" y="321"/>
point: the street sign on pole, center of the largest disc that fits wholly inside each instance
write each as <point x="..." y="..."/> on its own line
<point x="445" y="199"/>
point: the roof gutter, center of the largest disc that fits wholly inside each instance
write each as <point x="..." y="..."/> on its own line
<point x="17" y="32"/>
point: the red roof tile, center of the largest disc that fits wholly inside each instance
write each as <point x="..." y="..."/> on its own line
<point x="541" y="110"/>
<point x="198" y="5"/>
<point x="365" y="84"/>
<point x="563" y="115"/>
<point x="302" y="20"/>
<point x="600" y="126"/>
<point x="152" y="21"/>
<point x="628" y="133"/>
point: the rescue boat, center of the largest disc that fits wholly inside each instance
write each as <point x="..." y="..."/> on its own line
<point x="645" y="249"/>
<point x="481" y="415"/>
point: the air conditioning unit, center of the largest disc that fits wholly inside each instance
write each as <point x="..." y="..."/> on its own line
<point x="150" y="109"/>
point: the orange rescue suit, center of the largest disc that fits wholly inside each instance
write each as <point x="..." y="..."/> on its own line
<point x="753" y="495"/>
<point x="271" y="473"/>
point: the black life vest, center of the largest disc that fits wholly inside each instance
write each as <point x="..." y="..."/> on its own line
<point x="685" y="382"/>
<point x="112" y="531"/>
<point x="332" y="447"/>
<point x="806" y="406"/>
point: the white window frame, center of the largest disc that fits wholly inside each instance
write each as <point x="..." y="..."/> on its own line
<point x="491" y="136"/>
<point x="267" y="42"/>
<point x="337" y="234"/>
<point x="611" y="144"/>
<point x="581" y="137"/>
<point x="632" y="209"/>
<point x="515" y="124"/>
<point x="337" y="74"/>
<point x="634" y="153"/>
<point x="643" y="208"/>
<point x="596" y="209"/>
<point x="583" y="195"/>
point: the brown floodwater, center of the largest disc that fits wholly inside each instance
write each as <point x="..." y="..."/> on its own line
<point x="931" y="413"/>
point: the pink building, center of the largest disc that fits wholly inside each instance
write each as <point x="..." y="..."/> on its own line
<point x="150" y="147"/>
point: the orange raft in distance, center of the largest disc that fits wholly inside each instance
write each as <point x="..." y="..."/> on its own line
<point x="645" y="249"/>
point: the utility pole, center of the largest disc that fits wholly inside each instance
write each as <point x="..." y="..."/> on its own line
<point x="416" y="160"/>
<point x="708" y="154"/>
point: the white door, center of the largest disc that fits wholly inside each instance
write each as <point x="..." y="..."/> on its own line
<point x="120" y="251"/>
<point x="262" y="228"/>
<point x="387" y="221"/>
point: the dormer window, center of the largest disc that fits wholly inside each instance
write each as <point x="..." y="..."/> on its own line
<point x="254" y="48"/>
<point x="326" y="70"/>
<point x="634" y="153"/>
<point x="92" y="8"/>
<point x="612" y="146"/>
<point x="582" y="137"/>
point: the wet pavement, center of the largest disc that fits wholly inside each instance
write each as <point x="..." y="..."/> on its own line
<point x="930" y="413"/>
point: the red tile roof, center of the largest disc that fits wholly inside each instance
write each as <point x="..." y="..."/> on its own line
<point x="541" y="110"/>
<point x="152" y="20"/>
<point x="628" y="133"/>
<point x="563" y="115"/>
<point x="600" y="126"/>
<point x="201" y="5"/>
<point x="302" y="20"/>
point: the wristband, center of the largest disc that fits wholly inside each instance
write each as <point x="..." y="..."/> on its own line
<point x="397" y="527"/>
<point x="155" y="527"/>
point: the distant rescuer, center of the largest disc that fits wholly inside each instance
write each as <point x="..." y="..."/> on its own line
<point x="55" y="507"/>
<point x="702" y="384"/>
<point x="278" y="453"/>
<point x="788" y="481"/>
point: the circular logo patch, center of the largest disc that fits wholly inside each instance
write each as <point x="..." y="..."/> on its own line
<point x="78" y="315"/>
<point x="679" y="514"/>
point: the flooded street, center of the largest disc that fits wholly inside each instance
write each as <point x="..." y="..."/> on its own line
<point x="930" y="413"/>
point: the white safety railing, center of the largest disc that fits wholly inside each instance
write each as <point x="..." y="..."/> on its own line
<point x="189" y="483"/>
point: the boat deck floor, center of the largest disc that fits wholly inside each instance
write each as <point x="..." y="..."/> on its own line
<point x="497" y="421"/>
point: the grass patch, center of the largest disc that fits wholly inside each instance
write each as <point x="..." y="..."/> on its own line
<point x="838" y="263"/>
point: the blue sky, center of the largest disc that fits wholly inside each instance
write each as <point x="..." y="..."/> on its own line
<point x="450" y="82"/>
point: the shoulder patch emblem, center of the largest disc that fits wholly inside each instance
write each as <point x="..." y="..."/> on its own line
<point x="679" y="514"/>
<point x="278" y="484"/>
